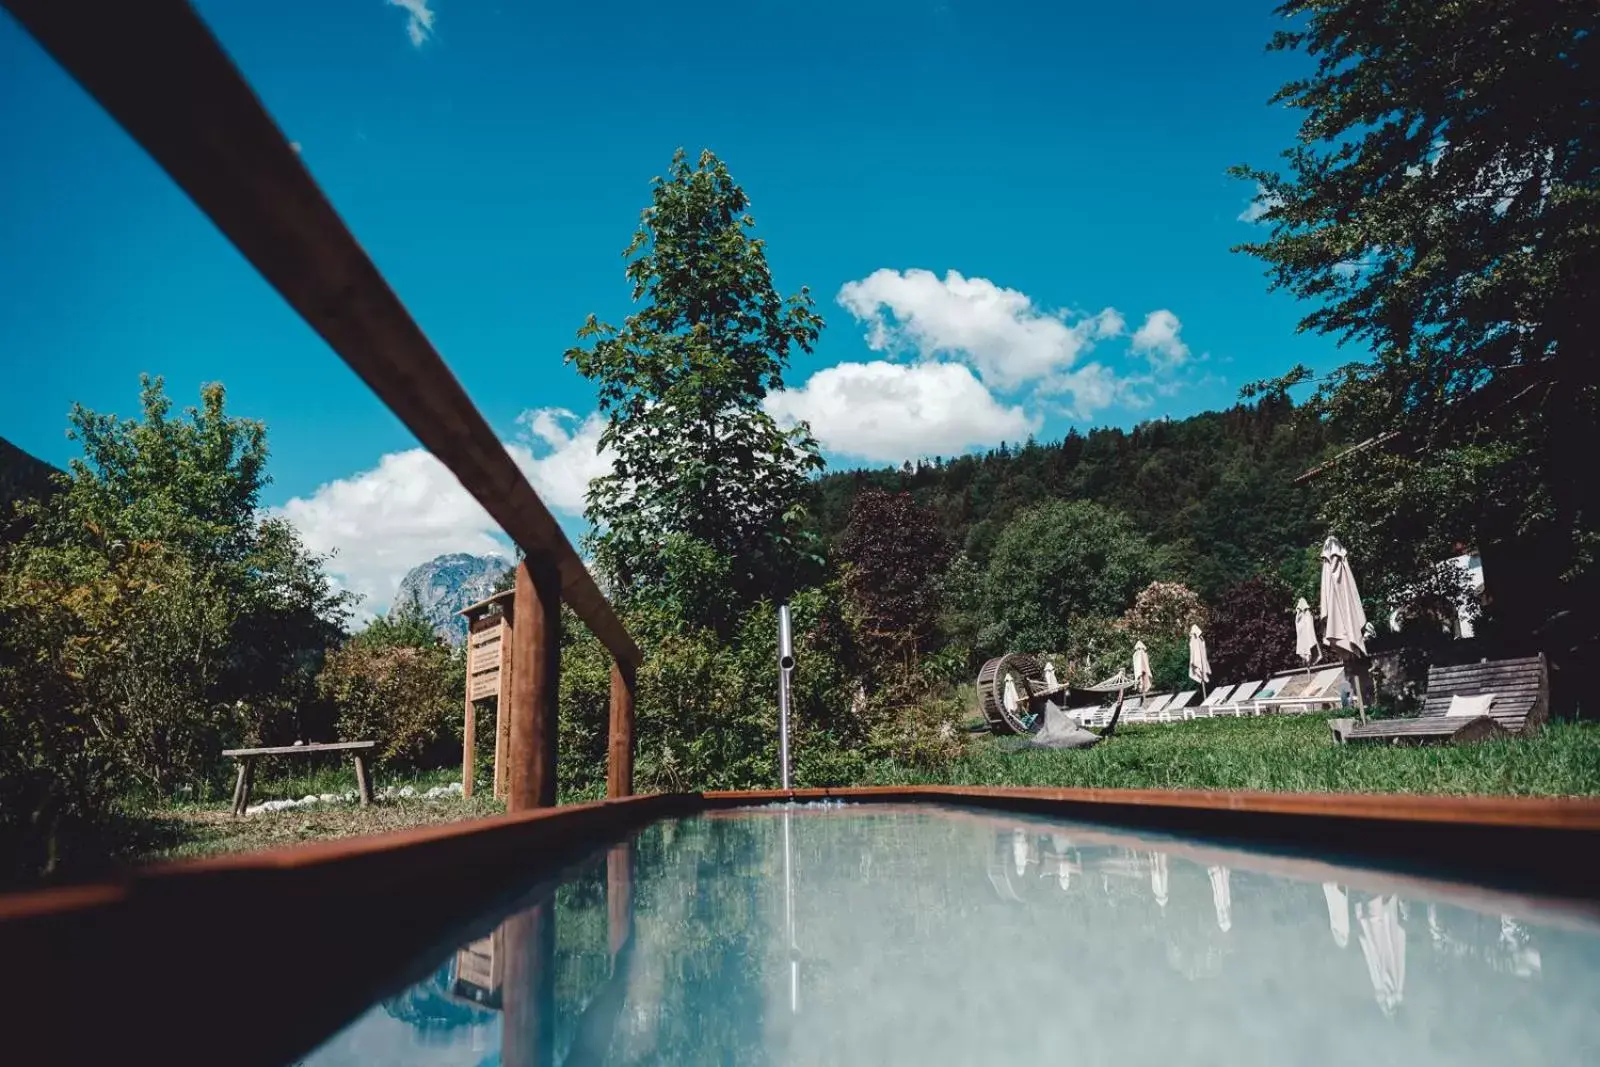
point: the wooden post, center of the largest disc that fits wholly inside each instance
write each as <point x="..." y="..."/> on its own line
<point x="619" y="761"/>
<point x="535" y="686"/>
<point x="469" y="739"/>
<point x="363" y="782"/>
<point x="238" y="789"/>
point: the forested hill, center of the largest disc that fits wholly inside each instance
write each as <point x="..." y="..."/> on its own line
<point x="22" y="477"/>
<point x="1216" y="490"/>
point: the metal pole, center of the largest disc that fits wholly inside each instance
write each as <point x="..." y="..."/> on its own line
<point x="785" y="667"/>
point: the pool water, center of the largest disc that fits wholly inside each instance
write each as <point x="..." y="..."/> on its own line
<point x="875" y="935"/>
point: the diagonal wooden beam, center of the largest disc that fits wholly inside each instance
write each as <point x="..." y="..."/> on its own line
<point x="157" y="69"/>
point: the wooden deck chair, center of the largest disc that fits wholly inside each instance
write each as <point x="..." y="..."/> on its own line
<point x="1520" y="692"/>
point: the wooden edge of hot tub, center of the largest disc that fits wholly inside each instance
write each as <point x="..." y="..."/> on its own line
<point x="308" y="936"/>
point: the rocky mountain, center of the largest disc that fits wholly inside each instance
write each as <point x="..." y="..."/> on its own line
<point x="446" y="584"/>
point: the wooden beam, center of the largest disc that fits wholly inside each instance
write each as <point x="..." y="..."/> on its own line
<point x="619" y="747"/>
<point x="157" y="69"/>
<point x="535" y="687"/>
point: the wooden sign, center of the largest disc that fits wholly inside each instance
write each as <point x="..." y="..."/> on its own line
<point x="485" y="651"/>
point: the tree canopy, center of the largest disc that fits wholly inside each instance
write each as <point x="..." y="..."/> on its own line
<point x="1439" y="209"/>
<point x="681" y="384"/>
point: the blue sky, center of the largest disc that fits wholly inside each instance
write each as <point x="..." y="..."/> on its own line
<point x="1015" y="219"/>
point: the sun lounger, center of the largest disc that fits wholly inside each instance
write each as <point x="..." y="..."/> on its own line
<point x="1155" y="708"/>
<point x="1181" y="703"/>
<point x="1239" y="702"/>
<point x="1300" y="692"/>
<point x="1521" y="691"/>
<point x="1208" y="706"/>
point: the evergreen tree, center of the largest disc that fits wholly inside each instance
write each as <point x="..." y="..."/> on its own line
<point x="1439" y="208"/>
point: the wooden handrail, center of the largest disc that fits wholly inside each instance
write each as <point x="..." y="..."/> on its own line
<point x="159" y="71"/>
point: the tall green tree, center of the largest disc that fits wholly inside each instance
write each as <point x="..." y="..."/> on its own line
<point x="682" y="383"/>
<point x="1058" y="563"/>
<point x="1440" y="209"/>
<point x="892" y="554"/>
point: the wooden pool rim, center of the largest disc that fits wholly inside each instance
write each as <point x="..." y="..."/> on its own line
<point x="264" y="954"/>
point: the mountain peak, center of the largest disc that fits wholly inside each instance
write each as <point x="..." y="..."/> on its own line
<point x="446" y="584"/>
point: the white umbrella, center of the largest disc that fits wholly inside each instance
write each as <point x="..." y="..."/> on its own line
<point x="1199" y="664"/>
<point x="1141" y="668"/>
<point x="1338" y="913"/>
<point x="1344" y="621"/>
<point x="1383" y="943"/>
<point x="1158" y="877"/>
<point x="1305" y="633"/>
<point x="1050" y="675"/>
<point x="1221" y="897"/>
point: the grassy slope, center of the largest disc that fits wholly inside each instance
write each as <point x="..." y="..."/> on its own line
<point x="1288" y="753"/>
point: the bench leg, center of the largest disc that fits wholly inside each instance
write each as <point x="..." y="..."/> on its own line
<point x="363" y="783"/>
<point x="238" y="791"/>
<point x="241" y="789"/>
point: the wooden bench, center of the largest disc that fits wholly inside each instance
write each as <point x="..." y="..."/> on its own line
<point x="1521" y="689"/>
<point x="247" y="766"/>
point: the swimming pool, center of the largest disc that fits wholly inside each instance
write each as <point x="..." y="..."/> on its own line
<point x="930" y="934"/>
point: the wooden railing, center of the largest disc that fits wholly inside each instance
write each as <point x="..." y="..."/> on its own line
<point x="157" y="69"/>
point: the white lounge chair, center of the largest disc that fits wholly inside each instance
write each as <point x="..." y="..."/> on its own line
<point x="1181" y="703"/>
<point x="1156" y="708"/>
<point x="1239" y="702"/>
<point x="1299" y="692"/>
<point x="1208" y="706"/>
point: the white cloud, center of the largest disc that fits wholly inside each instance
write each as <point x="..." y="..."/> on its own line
<point x="1259" y="205"/>
<point x="889" y="412"/>
<point x="1158" y="339"/>
<point x="572" y="458"/>
<point x="1000" y="332"/>
<point x="383" y="521"/>
<point x="419" y="20"/>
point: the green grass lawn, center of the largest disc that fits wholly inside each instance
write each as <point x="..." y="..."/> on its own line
<point x="1283" y="753"/>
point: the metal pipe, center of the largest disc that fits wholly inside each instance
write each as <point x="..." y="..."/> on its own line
<point x="785" y="667"/>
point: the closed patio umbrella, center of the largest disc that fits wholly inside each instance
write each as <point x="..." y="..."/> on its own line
<point x="1344" y="620"/>
<point x="1305" y="634"/>
<point x="1141" y="668"/>
<point x="1199" y="664"/>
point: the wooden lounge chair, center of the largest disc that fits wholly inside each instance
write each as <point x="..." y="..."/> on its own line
<point x="1521" y="689"/>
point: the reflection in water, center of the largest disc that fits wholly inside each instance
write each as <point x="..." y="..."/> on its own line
<point x="954" y="937"/>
